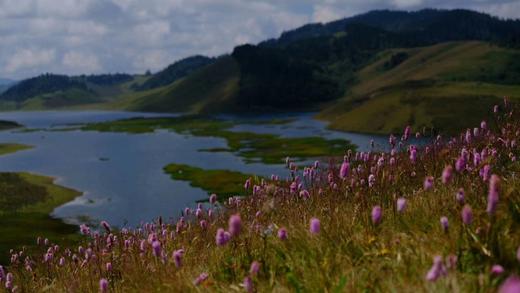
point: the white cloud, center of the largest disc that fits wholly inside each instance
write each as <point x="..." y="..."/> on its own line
<point x="134" y="35"/>
<point x="29" y="58"/>
<point x="79" y="62"/>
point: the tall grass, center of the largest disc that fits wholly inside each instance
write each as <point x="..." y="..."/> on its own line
<point x="318" y="230"/>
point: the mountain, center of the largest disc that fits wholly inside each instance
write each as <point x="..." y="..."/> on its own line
<point x="373" y="72"/>
<point x="175" y="71"/>
<point x="5" y="84"/>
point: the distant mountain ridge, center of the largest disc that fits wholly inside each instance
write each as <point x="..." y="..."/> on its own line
<point x="321" y="67"/>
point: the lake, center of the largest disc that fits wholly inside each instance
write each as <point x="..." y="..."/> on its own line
<point x="121" y="175"/>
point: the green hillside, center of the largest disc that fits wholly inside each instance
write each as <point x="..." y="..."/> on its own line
<point x="466" y="78"/>
<point x="210" y="89"/>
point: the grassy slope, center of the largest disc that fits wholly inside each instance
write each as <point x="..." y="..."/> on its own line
<point x="349" y="254"/>
<point x="420" y="90"/>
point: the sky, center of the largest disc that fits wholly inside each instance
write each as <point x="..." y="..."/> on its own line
<point x="107" y="36"/>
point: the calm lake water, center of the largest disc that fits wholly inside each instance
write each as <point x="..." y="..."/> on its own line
<point x="121" y="175"/>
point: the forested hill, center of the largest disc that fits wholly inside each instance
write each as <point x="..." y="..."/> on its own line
<point x="426" y="26"/>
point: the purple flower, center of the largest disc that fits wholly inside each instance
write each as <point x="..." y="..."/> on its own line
<point x="177" y="257"/>
<point x="247" y="184"/>
<point x="444" y="224"/>
<point x="371" y="180"/>
<point x="510" y="285"/>
<point x="497" y="270"/>
<point x="377" y="214"/>
<point x="234" y="225"/>
<point x="201" y="278"/>
<point x="413" y="155"/>
<point x="483" y="125"/>
<point x="428" y="183"/>
<point x="460" y="164"/>
<point x="255" y="268"/>
<point x="305" y="194"/>
<point x="467" y="215"/>
<point x="401" y="204"/>
<point x="85" y="230"/>
<point x="222" y="237"/>
<point x="61" y="261"/>
<point x="314" y="226"/>
<point x="156" y="245"/>
<point x="447" y="174"/>
<point x="282" y="233"/>
<point x="108" y="266"/>
<point x="213" y="199"/>
<point x="494" y="189"/>
<point x="437" y="270"/>
<point x="459" y="196"/>
<point x="103" y="285"/>
<point x="248" y="284"/>
<point x="106" y="226"/>
<point x="344" y="170"/>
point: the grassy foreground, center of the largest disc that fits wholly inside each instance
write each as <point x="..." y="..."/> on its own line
<point x="267" y="148"/>
<point x="443" y="217"/>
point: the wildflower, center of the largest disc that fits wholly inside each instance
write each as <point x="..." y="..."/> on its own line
<point x="467" y="215"/>
<point x="344" y="170"/>
<point x="428" y="183"/>
<point x="377" y="214"/>
<point x="444" y="224"/>
<point x="157" y="249"/>
<point x="201" y="278"/>
<point x="282" y="234"/>
<point x="314" y="226"/>
<point x="460" y="164"/>
<point x="222" y="237"/>
<point x="483" y="125"/>
<point x="106" y="226"/>
<point x="305" y="194"/>
<point x="447" y="174"/>
<point x="517" y="255"/>
<point x="203" y="224"/>
<point x="371" y="180"/>
<point x="485" y="172"/>
<point x="255" y="268"/>
<point x="494" y="189"/>
<point x="85" y="230"/>
<point x="108" y="266"/>
<point x="413" y="155"/>
<point x="451" y="261"/>
<point x="235" y="225"/>
<point x="61" y="261"/>
<point x="497" y="269"/>
<point x="177" y="257"/>
<point x="248" y="284"/>
<point x="213" y="199"/>
<point x="459" y="196"/>
<point x="510" y="285"/>
<point x="401" y="204"/>
<point x="103" y="285"/>
<point x="247" y="184"/>
<point x="437" y="270"/>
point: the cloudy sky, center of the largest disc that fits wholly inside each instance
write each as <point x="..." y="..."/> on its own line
<point x="94" y="36"/>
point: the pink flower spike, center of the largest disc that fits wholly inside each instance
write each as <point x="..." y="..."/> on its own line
<point x="377" y="214"/>
<point x="315" y="226"/>
<point x="497" y="270"/>
<point x="282" y="234"/>
<point x="103" y="285"/>
<point x="401" y="204"/>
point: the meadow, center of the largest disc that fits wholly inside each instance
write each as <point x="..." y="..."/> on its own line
<point x="440" y="217"/>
